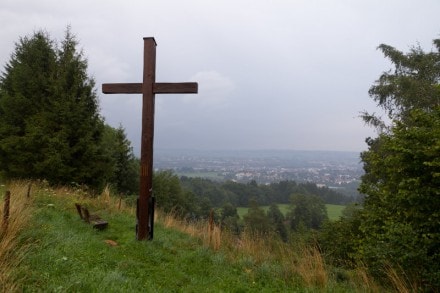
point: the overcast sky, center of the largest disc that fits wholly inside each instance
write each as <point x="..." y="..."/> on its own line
<point x="271" y="74"/>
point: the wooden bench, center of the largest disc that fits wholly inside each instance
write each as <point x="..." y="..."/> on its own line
<point x="93" y="220"/>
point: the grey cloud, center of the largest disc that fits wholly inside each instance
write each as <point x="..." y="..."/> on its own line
<point x="272" y="74"/>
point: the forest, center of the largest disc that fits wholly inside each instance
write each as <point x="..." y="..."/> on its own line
<point x="51" y="129"/>
<point x="240" y="194"/>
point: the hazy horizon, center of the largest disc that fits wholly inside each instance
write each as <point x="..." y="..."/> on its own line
<point x="248" y="150"/>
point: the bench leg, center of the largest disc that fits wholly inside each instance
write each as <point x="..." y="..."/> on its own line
<point x="78" y="208"/>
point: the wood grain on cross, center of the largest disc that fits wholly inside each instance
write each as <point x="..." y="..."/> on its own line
<point x="148" y="88"/>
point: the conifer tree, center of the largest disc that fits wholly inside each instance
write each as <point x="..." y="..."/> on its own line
<point x="50" y="126"/>
<point x="277" y="220"/>
<point x="25" y="88"/>
<point x="256" y="221"/>
<point x="125" y="166"/>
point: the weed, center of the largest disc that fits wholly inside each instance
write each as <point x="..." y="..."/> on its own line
<point x="20" y="210"/>
<point x="399" y="280"/>
<point x="311" y="267"/>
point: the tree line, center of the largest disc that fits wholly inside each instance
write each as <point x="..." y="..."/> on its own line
<point x="50" y="127"/>
<point x="240" y="194"/>
<point x="195" y="198"/>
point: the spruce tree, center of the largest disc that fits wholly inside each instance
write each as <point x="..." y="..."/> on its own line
<point x="25" y="89"/>
<point x="50" y="126"/>
<point x="125" y="166"/>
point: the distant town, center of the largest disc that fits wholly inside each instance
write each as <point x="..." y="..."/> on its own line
<point x="336" y="170"/>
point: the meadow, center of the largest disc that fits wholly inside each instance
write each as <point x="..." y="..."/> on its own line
<point x="211" y="175"/>
<point x="52" y="250"/>
<point x="334" y="211"/>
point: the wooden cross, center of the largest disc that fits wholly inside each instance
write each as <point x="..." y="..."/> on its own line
<point x="148" y="88"/>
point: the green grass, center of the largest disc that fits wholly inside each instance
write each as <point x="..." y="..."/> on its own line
<point x="2" y="190"/>
<point x="67" y="255"/>
<point x="213" y="175"/>
<point x="334" y="211"/>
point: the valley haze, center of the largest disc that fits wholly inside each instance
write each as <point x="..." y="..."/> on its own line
<point x="333" y="169"/>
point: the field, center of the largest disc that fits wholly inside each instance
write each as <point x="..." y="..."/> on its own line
<point x="212" y="175"/>
<point x="333" y="211"/>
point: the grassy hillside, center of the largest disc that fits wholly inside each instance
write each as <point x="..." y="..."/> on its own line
<point x="71" y="256"/>
<point x="60" y="252"/>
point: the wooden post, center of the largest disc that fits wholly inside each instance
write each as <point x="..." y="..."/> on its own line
<point x="6" y="207"/>
<point x="29" y="190"/>
<point x="146" y="179"/>
<point x="78" y="208"/>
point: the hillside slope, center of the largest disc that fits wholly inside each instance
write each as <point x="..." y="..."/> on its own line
<point x="65" y="254"/>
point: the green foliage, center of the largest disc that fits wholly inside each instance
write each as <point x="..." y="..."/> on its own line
<point x="49" y="122"/>
<point x="340" y="240"/>
<point x="171" y="197"/>
<point x="412" y="84"/>
<point x="210" y="192"/>
<point x="229" y="219"/>
<point x="307" y="211"/>
<point x="403" y="196"/>
<point x="334" y="212"/>
<point x="239" y="194"/>
<point x="256" y="221"/>
<point x="50" y="126"/>
<point x="125" y="173"/>
<point x="277" y="219"/>
<point x="399" y="225"/>
<point x="28" y="74"/>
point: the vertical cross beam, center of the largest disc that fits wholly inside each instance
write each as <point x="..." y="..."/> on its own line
<point x="148" y="88"/>
<point x="146" y="176"/>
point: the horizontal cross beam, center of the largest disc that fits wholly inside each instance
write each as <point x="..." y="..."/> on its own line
<point x="158" y="88"/>
<point x="122" y="88"/>
<point x="175" y="88"/>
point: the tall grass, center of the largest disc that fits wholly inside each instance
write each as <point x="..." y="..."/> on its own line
<point x="19" y="215"/>
<point x="301" y="262"/>
<point x="105" y="201"/>
<point x="210" y="234"/>
<point x="400" y="281"/>
<point x="311" y="267"/>
<point x="295" y="263"/>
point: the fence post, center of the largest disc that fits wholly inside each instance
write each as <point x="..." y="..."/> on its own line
<point x="29" y="190"/>
<point x="5" y="221"/>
